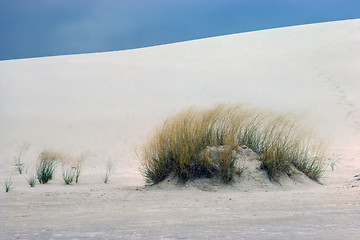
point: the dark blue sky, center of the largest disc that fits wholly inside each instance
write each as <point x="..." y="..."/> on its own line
<point x="36" y="28"/>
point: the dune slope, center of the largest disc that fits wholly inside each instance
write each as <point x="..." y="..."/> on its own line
<point x="106" y="105"/>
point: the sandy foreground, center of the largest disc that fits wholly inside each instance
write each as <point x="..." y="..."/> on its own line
<point x="106" y="105"/>
<point x="125" y="209"/>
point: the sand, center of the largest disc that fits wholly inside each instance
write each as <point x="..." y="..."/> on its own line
<point x="123" y="209"/>
<point x="106" y="105"/>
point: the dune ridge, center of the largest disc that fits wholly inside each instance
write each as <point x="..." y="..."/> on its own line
<point x="104" y="106"/>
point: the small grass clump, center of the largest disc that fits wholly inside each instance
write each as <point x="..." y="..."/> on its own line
<point x="47" y="165"/>
<point x="68" y="174"/>
<point x="107" y="172"/>
<point x="226" y="164"/>
<point x="180" y="145"/>
<point x="32" y="180"/>
<point x="71" y="168"/>
<point x="77" y="171"/>
<point x="8" y="183"/>
<point x="18" y="159"/>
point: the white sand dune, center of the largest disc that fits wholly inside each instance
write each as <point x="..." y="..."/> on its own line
<point x="107" y="104"/>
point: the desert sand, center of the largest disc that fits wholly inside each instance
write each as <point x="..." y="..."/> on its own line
<point x="106" y="105"/>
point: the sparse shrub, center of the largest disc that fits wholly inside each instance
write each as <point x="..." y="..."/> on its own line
<point x="18" y="164"/>
<point x="219" y="161"/>
<point x="77" y="170"/>
<point x="71" y="168"/>
<point x="332" y="165"/>
<point x="32" y="180"/>
<point x="68" y="174"/>
<point x="179" y="145"/>
<point x="18" y="159"/>
<point x="226" y="165"/>
<point x="313" y="166"/>
<point x="107" y="172"/>
<point x="8" y="183"/>
<point x="78" y="166"/>
<point x="47" y="165"/>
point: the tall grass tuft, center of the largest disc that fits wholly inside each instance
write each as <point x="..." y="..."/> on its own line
<point x="32" y="180"/>
<point x="77" y="170"/>
<point x="107" y="172"/>
<point x="71" y="168"/>
<point x="18" y="159"/>
<point x="8" y="183"/>
<point x="47" y="164"/>
<point x="179" y="145"/>
<point x="68" y="174"/>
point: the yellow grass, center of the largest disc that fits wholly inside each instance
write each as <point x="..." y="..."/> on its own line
<point x="179" y="145"/>
<point x="47" y="163"/>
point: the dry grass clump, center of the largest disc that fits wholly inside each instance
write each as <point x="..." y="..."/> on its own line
<point x="32" y="180"/>
<point x="8" y="183"/>
<point x="50" y="159"/>
<point x="179" y="146"/>
<point x="107" y="172"/>
<point x="68" y="174"/>
<point x="285" y="145"/>
<point x="71" y="168"/>
<point x="18" y="159"/>
<point x="47" y="164"/>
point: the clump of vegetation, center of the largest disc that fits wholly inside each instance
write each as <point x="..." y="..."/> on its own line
<point x="68" y="174"/>
<point x="221" y="160"/>
<point x="47" y="164"/>
<point x="18" y="159"/>
<point x="179" y="145"/>
<point x="77" y="171"/>
<point x="8" y="183"/>
<point x="32" y="180"/>
<point x="71" y="169"/>
<point x="107" y="172"/>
